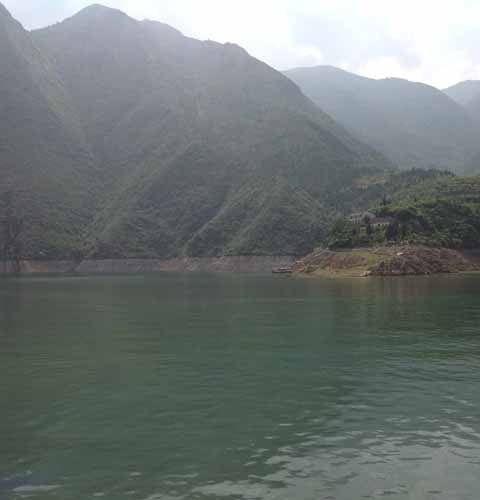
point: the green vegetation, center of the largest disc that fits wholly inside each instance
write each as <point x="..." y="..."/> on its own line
<point x="46" y="169"/>
<point x="440" y="210"/>
<point x="345" y="234"/>
<point x="127" y="139"/>
<point x="11" y="227"/>
<point x="444" y="212"/>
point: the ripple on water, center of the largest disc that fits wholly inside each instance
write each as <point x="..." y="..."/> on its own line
<point x="30" y="489"/>
<point x="349" y="391"/>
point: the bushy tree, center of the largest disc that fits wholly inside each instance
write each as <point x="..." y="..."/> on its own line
<point x="10" y="233"/>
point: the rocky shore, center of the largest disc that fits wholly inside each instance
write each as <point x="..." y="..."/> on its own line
<point x="358" y="262"/>
<point x="388" y="261"/>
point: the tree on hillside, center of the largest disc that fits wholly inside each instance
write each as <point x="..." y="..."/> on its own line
<point x="392" y="231"/>
<point x="369" y="228"/>
<point x="10" y="232"/>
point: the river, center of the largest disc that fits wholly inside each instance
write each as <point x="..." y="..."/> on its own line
<point x="201" y="387"/>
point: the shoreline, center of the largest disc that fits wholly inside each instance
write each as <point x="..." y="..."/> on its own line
<point x="405" y="260"/>
<point x="322" y="263"/>
<point x="228" y="264"/>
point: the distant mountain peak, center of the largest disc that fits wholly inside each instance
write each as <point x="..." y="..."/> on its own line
<point x="464" y="92"/>
<point x="97" y="8"/>
<point x="412" y="123"/>
<point x="326" y="71"/>
<point x="98" y="12"/>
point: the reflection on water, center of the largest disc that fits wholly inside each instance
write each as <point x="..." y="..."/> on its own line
<point x="202" y="387"/>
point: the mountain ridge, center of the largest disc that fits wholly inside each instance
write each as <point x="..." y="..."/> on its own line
<point x="464" y="92"/>
<point x="413" y="124"/>
<point x="181" y="147"/>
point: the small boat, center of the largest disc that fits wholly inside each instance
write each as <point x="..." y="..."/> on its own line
<point x="282" y="270"/>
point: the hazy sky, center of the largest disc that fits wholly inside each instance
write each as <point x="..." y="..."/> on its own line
<point x="434" y="41"/>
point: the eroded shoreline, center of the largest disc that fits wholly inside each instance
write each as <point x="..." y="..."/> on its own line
<point x="388" y="261"/>
<point x="354" y="263"/>
<point x="245" y="264"/>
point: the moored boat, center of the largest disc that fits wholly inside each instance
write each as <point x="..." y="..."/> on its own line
<point x="282" y="270"/>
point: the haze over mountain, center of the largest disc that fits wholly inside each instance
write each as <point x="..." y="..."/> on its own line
<point x="468" y="95"/>
<point x="131" y="140"/>
<point x="464" y="92"/>
<point x="413" y="124"/>
<point x="473" y="107"/>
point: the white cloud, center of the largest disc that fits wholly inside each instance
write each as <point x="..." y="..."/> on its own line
<point x="428" y="40"/>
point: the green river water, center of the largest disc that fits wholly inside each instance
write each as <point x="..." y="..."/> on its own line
<point x="207" y="387"/>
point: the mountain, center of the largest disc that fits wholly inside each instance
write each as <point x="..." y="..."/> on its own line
<point x="473" y="107"/>
<point x="122" y="138"/>
<point x="467" y="94"/>
<point x="47" y="168"/>
<point x="413" y="124"/>
<point x="464" y="92"/>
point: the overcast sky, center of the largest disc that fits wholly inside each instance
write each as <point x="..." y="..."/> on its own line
<point x="433" y="41"/>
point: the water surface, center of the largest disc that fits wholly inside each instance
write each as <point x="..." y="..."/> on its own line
<point x="206" y="387"/>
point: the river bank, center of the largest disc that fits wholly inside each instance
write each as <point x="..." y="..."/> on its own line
<point x="387" y="261"/>
<point x="245" y="264"/>
<point x="358" y="262"/>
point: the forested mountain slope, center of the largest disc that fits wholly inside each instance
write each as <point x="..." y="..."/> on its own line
<point x="46" y="167"/>
<point x="202" y="149"/>
<point x="413" y="124"/>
